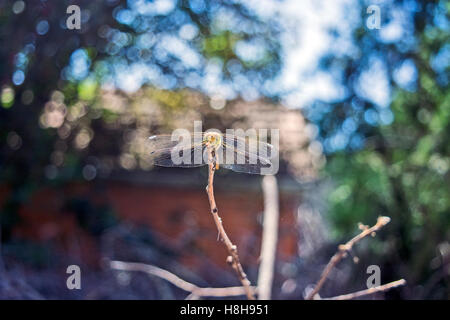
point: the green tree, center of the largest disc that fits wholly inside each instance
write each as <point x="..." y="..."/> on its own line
<point x="394" y="160"/>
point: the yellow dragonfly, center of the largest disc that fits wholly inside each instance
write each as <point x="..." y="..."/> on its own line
<point x="240" y="154"/>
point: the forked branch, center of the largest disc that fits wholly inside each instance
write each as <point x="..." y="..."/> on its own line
<point x="342" y="252"/>
<point x="382" y="288"/>
<point x="195" y="291"/>
<point x="233" y="258"/>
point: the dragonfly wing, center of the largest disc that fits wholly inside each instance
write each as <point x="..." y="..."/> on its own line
<point x="245" y="168"/>
<point x="239" y="159"/>
<point x="183" y="153"/>
<point x="251" y="145"/>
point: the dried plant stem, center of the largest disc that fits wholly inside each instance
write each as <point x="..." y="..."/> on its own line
<point x="342" y="252"/>
<point x="233" y="258"/>
<point x="382" y="288"/>
<point x="269" y="237"/>
<point x="195" y="290"/>
<point x="2" y="267"/>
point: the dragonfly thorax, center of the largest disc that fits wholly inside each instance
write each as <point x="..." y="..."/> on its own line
<point x="213" y="139"/>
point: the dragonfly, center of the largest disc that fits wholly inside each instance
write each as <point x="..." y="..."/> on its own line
<point x="237" y="153"/>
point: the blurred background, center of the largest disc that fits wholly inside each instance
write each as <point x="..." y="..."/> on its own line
<point x="363" y="112"/>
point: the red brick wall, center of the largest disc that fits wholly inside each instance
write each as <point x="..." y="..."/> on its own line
<point x="181" y="217"/>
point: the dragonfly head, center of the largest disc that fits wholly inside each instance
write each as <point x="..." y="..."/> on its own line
<point x="213" y="139"/>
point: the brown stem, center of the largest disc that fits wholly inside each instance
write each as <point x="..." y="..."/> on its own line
<point x="382" y="288"/>
<point x="342" y="252"/>
<point x="233" y="258"/>
<point x="269" y="237"/>
<point x="195" y="291"/>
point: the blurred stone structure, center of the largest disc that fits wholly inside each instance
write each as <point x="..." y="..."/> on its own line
<point x="170" y="202"/>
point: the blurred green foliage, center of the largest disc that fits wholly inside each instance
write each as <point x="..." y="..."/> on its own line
<point x="51" y="78"/>
<point x="401" y="169"/>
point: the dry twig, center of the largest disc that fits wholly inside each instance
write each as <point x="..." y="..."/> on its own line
<point x="233" y="258"/>
<point x="269" y="237"/>
<point x="382" y="288"/>
<point x="195" y="290"/>
<point x="342" y="252"/>
<point x="1" y="252"/>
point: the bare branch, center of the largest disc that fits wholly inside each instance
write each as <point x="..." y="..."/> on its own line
<point x="233" y="258"/>
<point x="342" y="252"/>
<point x="382" y="288"/>
<point x="269" y="237"/>
<point x="195" y="290"/>
<point x="2" y="267"/>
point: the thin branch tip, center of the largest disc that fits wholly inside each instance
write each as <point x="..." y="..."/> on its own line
<point x="383" y="220"/>
<point x="344" y="248"/>
<point x="233" y="258"/>
<point x="369" y="291"/>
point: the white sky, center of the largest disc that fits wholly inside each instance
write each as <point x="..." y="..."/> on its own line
<point x="308" y="23"/>
<point x="311" y="20"/>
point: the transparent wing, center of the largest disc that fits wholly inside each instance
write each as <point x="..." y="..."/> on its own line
<point x="250" y="145"/>
<point x="184" y="153"/>
<point x="245" y="154"/>
<point x="244" y="162"/>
